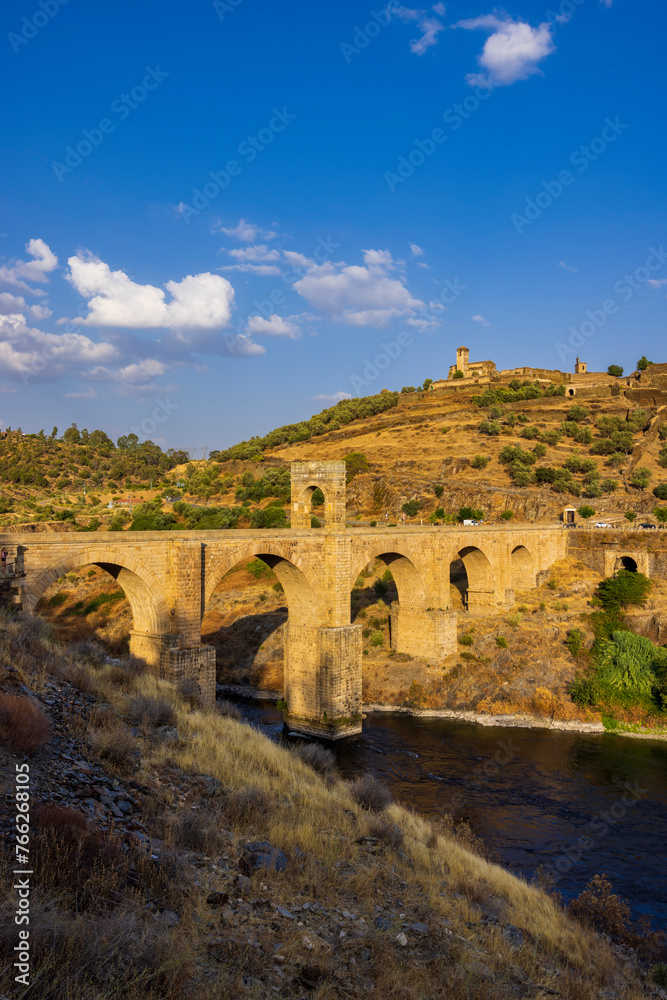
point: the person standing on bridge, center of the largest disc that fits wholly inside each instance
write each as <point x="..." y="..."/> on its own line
<point x="3" y="559"/>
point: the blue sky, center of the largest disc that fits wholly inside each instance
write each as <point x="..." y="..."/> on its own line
<point x="215" y="217"/>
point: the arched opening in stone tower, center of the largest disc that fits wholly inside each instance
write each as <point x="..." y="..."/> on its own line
<point x="101" y="602"/>
<point x="314" y="499"/>
<point x="248" y="605"/>
<point x="472" y="576"/>
<point x="627" y="563"/>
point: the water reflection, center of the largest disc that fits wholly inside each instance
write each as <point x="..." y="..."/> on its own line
<point x="532" y="795"/>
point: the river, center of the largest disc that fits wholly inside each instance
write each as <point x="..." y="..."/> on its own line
<point x="580" y="803"/>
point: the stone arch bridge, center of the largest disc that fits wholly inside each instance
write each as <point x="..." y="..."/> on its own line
<point x="168" y="578"/>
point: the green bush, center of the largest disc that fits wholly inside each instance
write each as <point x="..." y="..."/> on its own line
<point x="489" y="427"/>
<point x="355" y="463"/>
<point x="373" y="524"/>
<point x="507" y="515"/>
<point x="438" y="490"/>
<point x="380" y="588"/>
<point x="623" y="589"/>
<point x="660" y="491"/>
<point x="641" y="478"/>
<point x="577" y="413"/>
<point x="411" y="508"/>
<point x="480" y="461"/>
<point x="574" y="641"/>
<point x="501" y="641"/>
<point x="377" y="639"/>
<point x="466" y="640"/>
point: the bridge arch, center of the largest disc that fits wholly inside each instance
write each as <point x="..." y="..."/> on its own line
<point x="522" y="565"/>
<point x="408" y="579"/>
<point x="302" y="601"/>
<point x="626" y="562"/>
<point x="481" y="578"/>
<point x="149" y="608"/>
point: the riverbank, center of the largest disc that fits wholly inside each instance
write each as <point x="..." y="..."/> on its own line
<point x="503" y="721"/>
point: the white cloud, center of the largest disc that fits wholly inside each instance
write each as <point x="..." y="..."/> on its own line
<point x="132" y="373"/>
<point x="19" y="272"/>
<point x="606" y="3"/>
<point x="416" y="251"/>
<point x="258" y="253"/>
<point x="336" y="398"/>
<point x="247" y="232"/>
<point x="261" y="269"/>
<point x="297" y="259"/>
<point x="29" y="352"/>
<point x="511" y="53"/>
<point x="200" y="301"/>
<point x="429" y="26"/>
<point x="88" y="393"/>
<point x="358" y="296"/>
<point x="567" y="267"/>
<point x="656" y="282"/>
<point x="274" y="326"/>
<point x="480" y="319"/>
<point x="10" y="303"/>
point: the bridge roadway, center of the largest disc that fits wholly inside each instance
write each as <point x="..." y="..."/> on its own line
<point x="169" y="577"/>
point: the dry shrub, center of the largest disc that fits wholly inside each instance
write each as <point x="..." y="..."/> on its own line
<point x="227" y="710"/>
<point x="80" y="678"/>
<point x="370" y="793"/>
<point x="205" y="832"/>
<point x="115" y="744"/>
<point x="88" y="653"/>
<point x="190" y="693"/>
<point x="24" y="728"/>
<point x="320" y="758"/>
<point x="247" y="807"/>
<point x="70" y="856"/>
<point x="124" y="674"/>
<point x="388" y="833"/>
<point x="462" y="833"/>
<point x="152" y="712"/>
<point x="598" y="907"/>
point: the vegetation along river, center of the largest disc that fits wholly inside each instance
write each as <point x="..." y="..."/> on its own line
<point x="580" y="804"/>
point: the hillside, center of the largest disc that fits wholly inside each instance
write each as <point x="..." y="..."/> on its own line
<point x="176" y="852"/>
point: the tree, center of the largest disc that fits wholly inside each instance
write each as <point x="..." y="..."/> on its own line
<point x="641" y="478"/>
<point x="615" y="370"/>
<point x="507" y="515"/>
<point x="480" y="461"/>
<point x="54" y="433"/>
<point x="630" y="516"/>
<point x="661" y="491"/>
<point x="411" y="508"/>
<point x="661" y="514"/>
<point x="355" y="463"/>
<point x="438" y="490"/>
<point x="625" y="588"/>
<point x="72" y="435"/>
<point x="469" y="514"/>
<point x="586" y="512"/>
<point x="577" y="413"/>
<point x="428" y="382"/>
<point x="458" y="373"/>
<point x="643" y="364"/>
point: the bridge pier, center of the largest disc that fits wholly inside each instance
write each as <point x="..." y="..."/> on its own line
<point x="172" y="662"/>
<point x="323" y="680"/>
<point x="429" y="633"/>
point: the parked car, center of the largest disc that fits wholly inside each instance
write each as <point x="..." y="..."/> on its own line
<point x="602" y="524"/>
<point x="647" y="526"/>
